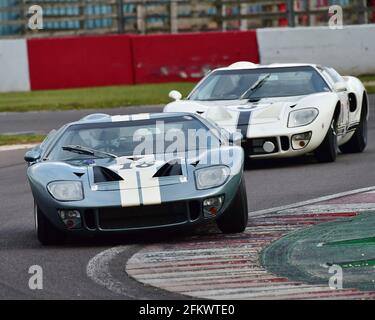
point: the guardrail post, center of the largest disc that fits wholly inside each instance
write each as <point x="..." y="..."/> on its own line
<point x="120" y="16"/>
<point x="291" y="14"/>
<point x="243" y="11"/>
<point x="174" y="17"/>
<point x="141" y="23"/>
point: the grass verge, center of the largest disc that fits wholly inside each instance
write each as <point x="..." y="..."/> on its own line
<point x="104" y="97"/>
<point x="91" y="98"/>
<point x="20" y="139"/>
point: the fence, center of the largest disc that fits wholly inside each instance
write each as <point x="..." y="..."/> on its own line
<point x="151" y="16"/>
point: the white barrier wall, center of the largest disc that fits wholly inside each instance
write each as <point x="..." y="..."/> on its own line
<point x="14" y="66"/>
<point x="350" y="50"/>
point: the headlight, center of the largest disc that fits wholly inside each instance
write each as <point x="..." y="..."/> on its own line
<point x="302" y="117"/>
<point x="66" y="190"/>
<point x="211" y="177"/>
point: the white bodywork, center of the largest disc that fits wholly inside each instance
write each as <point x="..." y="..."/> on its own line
<point x="269" y="116"/>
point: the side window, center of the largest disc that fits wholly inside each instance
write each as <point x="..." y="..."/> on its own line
<point x="328" y="76"/>
<point x="334" y="75"/>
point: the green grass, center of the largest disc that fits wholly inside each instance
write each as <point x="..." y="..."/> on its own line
<point x="20" y="139"/>
<point x="101" y="97"/>
<point x="91" y="98"/>
<point x="367" y="78"/>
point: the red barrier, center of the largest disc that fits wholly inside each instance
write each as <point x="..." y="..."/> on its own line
<point x="73" y="62"/>
<point x="185" y="57"/>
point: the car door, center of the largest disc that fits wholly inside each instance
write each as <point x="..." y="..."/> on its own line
<point x="333" y="78"/>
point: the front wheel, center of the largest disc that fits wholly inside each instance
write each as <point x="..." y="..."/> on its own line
<point x="358" y="141"/>
<point x="234" y="219"/>
<point x="47" y="233"/>
<point x="327" y="151"/>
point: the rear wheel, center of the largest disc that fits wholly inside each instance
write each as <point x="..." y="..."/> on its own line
<point x="47" y="233"/>
<point x="234" y="219"/>
<point x="327" y="151"/>
<point x="358" y="141"/>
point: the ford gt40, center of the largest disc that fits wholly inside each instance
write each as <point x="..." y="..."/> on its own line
<point x="283" y="110"/>
<point x="116" y="174"/>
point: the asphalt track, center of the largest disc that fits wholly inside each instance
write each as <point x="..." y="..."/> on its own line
<point x="269" y="184"/>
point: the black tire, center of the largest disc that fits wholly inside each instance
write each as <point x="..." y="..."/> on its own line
<point x="234" y="219"/>
<point x="47" y="233"/>
<point x="358" y="141"/>
<point x="327" y="151"/>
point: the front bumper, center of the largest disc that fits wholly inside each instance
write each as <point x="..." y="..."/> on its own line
<point x="108" y="217"/>
<point x="282" y="140"/>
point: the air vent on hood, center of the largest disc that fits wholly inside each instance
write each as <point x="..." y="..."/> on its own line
<point x="171" y="168"/>
<point x="102" y="174"/>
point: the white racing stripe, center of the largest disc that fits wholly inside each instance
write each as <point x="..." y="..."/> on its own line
<point x="120" y="118"/>
<point x="140" y="116"/>
<point x="139" y="186"/>
<point x="150" y="187"/>
<point x="129" y="197"/>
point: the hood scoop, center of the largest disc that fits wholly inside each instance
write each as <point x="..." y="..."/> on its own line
<point x="102" y="174"/>
<point x="170" y="168"/>
<point x="79" y="174"/>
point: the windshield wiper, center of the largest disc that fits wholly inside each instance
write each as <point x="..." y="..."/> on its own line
<point x="257" y="85"/>
<point x="84" y="150"/>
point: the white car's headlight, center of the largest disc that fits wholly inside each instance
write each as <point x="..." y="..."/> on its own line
<point x="66" y="190"/>
<point x="302" y="117"/>
<point x="211" y="177"/>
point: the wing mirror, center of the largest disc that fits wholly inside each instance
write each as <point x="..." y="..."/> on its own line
<point x="175" y="95"/>
<point x="235" y="138"/>
<point x="340" y="86"/>
<point x="32" y="156"/>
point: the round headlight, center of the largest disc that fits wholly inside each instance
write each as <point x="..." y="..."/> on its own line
<point x="302" y="117"/>
<point x="211" y="177"/>
<point x="66" y="190"/>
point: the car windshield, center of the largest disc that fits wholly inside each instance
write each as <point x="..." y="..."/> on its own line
<point x="260" y="83"/>
<point x="129" y="138"/>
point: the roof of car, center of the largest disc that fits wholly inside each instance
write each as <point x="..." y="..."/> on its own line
<point x="249" y="65"/>
<point x="102" y="117"/>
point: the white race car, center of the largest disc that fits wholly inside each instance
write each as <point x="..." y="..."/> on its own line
<point x="283" y="110"/>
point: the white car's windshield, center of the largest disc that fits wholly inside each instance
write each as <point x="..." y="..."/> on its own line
<point x="260" y="83"/>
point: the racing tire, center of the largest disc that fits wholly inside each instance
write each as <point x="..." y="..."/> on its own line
<point x="47" y="233"/>
<point x="358" y="141"/>
<point x="234" y="219"/>
<point x="327" y="151"/>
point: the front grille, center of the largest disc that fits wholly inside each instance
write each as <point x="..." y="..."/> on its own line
<point x="143" y="216"/>
<point x="255" y="146"/>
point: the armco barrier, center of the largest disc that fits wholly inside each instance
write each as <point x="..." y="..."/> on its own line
<point x="73" y="62"/>
<point x="185" y="57"/>
<point x="14" y="69"/>
<point x="350" y="50"/>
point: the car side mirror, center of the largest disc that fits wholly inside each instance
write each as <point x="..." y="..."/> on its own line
<point x="235" y="138"/>
<point x="175" y="95"/>
<point x="32" y="156"/>
<point x="340" y="86"/>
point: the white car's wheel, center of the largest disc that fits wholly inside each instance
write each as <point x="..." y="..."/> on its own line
<point x="327" y="151"/>
<point x="358" y="141"/>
